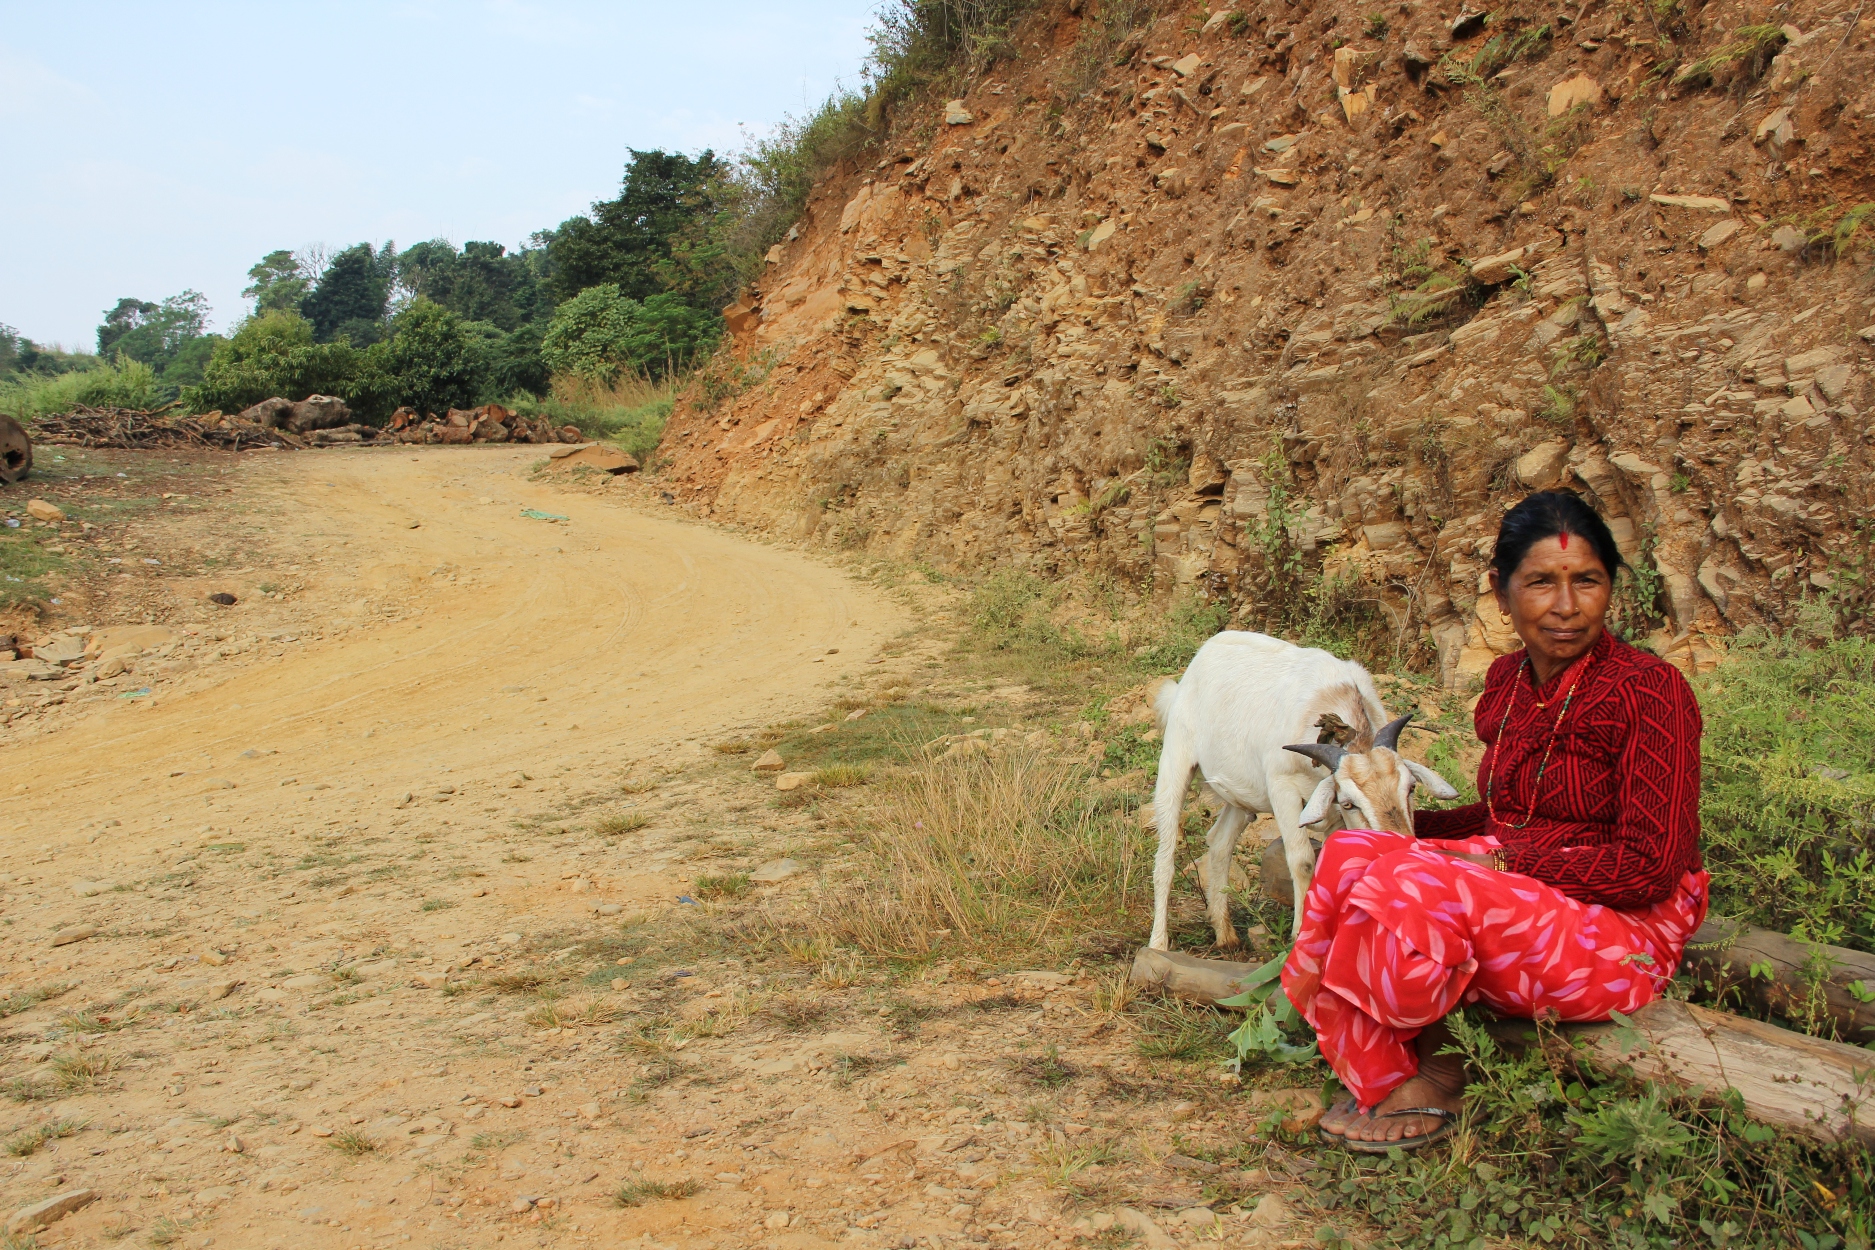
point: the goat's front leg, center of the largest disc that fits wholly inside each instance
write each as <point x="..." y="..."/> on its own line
<point x="1298" y="851"/>
<point x="1222" y="844"/>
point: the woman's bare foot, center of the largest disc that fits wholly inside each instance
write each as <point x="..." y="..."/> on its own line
<point x="1337" y="1118"/>
<point x="1420" y="1091"/>
<point x="1440" y="1083"/>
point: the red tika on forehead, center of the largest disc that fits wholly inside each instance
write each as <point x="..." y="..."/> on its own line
<point x="1562" y="540"/>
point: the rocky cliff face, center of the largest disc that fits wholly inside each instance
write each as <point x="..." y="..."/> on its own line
<point x="1294" y="290"/>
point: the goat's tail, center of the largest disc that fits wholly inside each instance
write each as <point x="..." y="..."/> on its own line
<point x="1162" y="700"/>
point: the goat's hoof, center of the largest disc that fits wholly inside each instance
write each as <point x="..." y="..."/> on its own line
<point x="1230" y="942"/>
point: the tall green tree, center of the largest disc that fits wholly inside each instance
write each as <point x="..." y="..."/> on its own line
<point x="352" y="294"/>
<point x="626" y="241"/>
<point x="153" y="333"/>
<point x="278" y="283"/>
<point x="482" y="282"/>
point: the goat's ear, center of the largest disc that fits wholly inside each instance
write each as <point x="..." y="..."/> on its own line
<point x="1440" y="787"/>
<point x="1319" y="802"/>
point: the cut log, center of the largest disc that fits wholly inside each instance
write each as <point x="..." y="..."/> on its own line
<point x="16" y="451"/>
<point x="1720" y="958"/>
<point x="1823" y="1089"/>
<point x="1187" y="976"/>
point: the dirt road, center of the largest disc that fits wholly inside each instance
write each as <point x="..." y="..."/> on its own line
<point x="525" y="645"/>
<point x="407" y="900"/>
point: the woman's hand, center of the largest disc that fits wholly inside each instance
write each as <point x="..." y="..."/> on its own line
<point x="1484" y="860"/>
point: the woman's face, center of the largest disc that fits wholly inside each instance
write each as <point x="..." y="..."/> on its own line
<point x="1556" y="600"/>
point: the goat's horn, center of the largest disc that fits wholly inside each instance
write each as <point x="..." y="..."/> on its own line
<point x="1389" y="735"/>
<point x="1327" y="754"/>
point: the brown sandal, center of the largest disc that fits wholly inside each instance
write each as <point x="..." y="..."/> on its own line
<point x="1447" y="1121"/>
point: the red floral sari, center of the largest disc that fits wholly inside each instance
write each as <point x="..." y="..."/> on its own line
<point x="1592" y="785"/>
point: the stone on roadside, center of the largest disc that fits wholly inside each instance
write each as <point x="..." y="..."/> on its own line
<point x="74" y="933"/>
<point x="90" y="889"/>
<point x="61" y="650"/>
<point x="792" y="781"/>
<point x="1272" y="1212"/>
<point x="40" y="510"/>
<point x="775" y="870"/>
<point x="592" y="456"/>
<point x="50" y="1210"/>
<point x="1696" y="203"/>
<point x="1187" y="65"/>
<point x="955" y="114"/>
<point x="771" y="762"/>
<point x="129" y="639"/>
<point x="1137" y="1222"/>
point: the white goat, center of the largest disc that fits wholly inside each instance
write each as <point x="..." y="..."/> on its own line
<point x="1246" y="716"/>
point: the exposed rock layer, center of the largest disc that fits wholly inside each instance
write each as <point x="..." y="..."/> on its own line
<point x="1126" y="320"/>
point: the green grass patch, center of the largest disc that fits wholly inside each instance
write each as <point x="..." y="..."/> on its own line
<point x="894" y="734"/>
<point x="842" y="775"/>
<point x="1789" y="785"/>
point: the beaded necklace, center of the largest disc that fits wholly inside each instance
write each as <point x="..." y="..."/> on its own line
<point x="1497" y="745"/>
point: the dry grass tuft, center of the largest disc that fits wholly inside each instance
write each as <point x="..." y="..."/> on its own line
<point x="75" y="1073"/>
<point x="582" y="1009"/>
<point x="520" y="981"/>
<point x="352" y="1142"/>
<point x="795" y="1012"/>
<point x="638" y="1192"/>
<point x="1007" y="851"/>
<point x="616" y="826"/>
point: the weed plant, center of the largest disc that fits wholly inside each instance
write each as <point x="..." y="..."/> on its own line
<point x="120" y="384"/>
<point x="1547" y="1154"/>
<point x="1789" y="783"/>
<point x="628" y="411"/>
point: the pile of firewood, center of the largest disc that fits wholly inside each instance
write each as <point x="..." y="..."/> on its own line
<point x="491" y="423"/>
<point x="139" y="429"/>
<point x="278" y="423"/>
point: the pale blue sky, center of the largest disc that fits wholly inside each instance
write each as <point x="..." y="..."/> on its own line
<point x="152" y="147"/>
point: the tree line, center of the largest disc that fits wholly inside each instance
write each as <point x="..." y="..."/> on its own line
<point x="631" y="289"/>
<point x="635" y="286"/>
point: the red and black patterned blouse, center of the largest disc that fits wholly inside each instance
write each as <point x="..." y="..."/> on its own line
<point x="1615" y="819"/>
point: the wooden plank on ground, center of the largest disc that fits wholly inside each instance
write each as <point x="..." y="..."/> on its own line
<point x="1822" y="1089"/>
<point x="1188" y="976"/>
<point x="1794" y="979"/>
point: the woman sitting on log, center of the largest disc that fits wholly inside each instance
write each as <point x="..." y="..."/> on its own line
<point x="1568" y="893"/>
